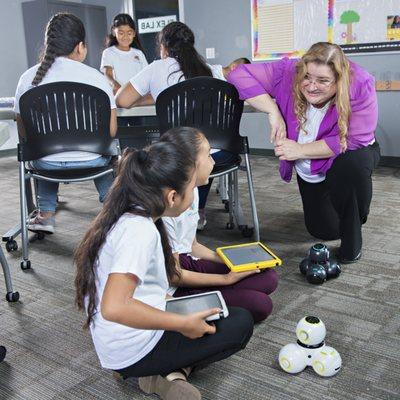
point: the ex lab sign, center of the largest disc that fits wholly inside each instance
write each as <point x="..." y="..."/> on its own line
<point x="149" y="25"/>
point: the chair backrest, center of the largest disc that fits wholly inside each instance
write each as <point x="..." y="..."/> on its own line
<point x="65" y="116"/>
<point x="211" y="105"/>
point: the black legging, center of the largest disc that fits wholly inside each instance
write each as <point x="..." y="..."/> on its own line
<point x="337" y="207"/>
<point x="175" y="351"/>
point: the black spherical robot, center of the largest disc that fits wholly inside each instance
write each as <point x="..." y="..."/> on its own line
<point x="317" y="266"/>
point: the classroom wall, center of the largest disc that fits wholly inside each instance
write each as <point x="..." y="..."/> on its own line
<point x="226" y="25"/>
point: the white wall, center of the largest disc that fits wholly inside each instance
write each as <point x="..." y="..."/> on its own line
<point x="12" y="46"/>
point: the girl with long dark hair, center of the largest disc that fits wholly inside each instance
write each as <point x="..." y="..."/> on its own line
<point x="124" y="268"/>
<point x="62" y="60"/>
<point x="179" y="61"/>
<point x="124" y="56"/>
<point x="202" y="265"/>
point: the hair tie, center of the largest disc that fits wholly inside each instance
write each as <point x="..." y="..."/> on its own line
<point x="143" y="155"/>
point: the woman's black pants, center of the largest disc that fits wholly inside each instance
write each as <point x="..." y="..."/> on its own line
<point x="337" y="207"/>
<point x="175" y="351"/>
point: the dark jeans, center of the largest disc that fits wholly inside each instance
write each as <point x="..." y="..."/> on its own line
<point x="221" y="157"/>
<point x="251" y="293"/>
<point x="337" y="207"/>
<point x="175" y="351"/>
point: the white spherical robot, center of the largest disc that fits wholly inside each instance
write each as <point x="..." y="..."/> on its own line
<point x="310" y="350"/>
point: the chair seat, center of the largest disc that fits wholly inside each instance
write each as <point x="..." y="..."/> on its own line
<point x="218" y="169"/>
<point x="71" y="173"/>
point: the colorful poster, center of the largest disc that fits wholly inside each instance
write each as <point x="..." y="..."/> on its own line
<point x="366" y="26"/>
<point x="287" y="28"/>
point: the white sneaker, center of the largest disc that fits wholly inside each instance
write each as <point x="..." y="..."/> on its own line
<point x="202" y="222"/>
<point x="39" y="224"/>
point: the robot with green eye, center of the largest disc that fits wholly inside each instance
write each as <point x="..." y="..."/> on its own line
<point x="310" y="350"/>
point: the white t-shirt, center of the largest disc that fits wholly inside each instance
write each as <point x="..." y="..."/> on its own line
<point x="125" y="64"/>
<point x="314" y="118"/>
<point x="66" y="70"/>
<point x="161" y="74"/>
<point x="182" y="229"/>
<point x="217" y="71"/>
<point x="132" y="246"/>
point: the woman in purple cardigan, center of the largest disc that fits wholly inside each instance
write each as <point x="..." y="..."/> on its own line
<point x="323" y="123"/>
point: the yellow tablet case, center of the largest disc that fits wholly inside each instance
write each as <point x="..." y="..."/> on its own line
<point x="250" y="266"/>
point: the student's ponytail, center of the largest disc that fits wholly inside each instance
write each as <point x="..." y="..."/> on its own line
<point x="63" y="32"/>
<point x="138" y="189"/>
<point x="178" y="40"/>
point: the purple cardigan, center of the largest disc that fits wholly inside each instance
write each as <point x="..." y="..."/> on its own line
<point x="276" y="79"/>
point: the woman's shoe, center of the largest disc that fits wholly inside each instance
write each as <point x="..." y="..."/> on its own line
<point x="178" y="389"/>
<point x="344" y="260"/>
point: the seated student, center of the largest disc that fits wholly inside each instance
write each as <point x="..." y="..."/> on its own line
<point x="124" y="268"/>
<point x="179" y="61"/>
<point x="62" y="60"/>
<point x="219" y="72"/>
<point x="124" y="56"/>
<point x="222" y="73"/>
<point x="202" y="265"/>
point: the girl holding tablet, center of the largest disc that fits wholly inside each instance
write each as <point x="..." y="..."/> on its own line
<point x="124" y="268"/>
<point x="202" y="266"/>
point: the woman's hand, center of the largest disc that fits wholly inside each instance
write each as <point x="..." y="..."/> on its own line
<point x="278" y="126"/>
<point x="288" y="149"/>
<point x="233" y="277"/>
<point x="195" y="325"/>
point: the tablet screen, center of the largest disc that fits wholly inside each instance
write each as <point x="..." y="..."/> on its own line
<point x="247" y="254"/>
<point x="194" y="304"/>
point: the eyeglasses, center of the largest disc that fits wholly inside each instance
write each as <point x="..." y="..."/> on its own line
<point x="320" y="83"/>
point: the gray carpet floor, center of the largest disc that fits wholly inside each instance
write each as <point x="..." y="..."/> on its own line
<point x="51" y="357"/>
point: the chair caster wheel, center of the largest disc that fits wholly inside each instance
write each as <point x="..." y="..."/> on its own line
<point x="230" y="225"/>
<point x="12" y="297"/>
<point x="11" y="246"/>
<point x="40" y="235"/>
<point x="226" y="205"/>
<point x="3" y="353"/>
<point x="25" y="264"/>
<point x="247" y="232"/>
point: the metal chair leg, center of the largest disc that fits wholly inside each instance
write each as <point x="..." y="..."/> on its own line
<point x="223" y="189"/>
<point x="237" y="207"/>
<point x="25" y="263"/>
<point x="11" y="296"/>
<point x="252" y="198"/>
<point x="230" y="224"/>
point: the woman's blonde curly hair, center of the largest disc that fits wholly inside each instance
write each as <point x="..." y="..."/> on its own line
<point x="325" y="53"/>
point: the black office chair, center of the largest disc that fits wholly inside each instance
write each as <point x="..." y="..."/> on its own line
<point x="214" y="107"/>
<point x="58" y="117"/>
<point x="137" y="137"/>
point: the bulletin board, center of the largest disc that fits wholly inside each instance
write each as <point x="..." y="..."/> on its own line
<point x="287" y="28"/>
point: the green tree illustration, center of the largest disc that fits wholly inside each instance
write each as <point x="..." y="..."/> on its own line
<point x="349" y="18"/>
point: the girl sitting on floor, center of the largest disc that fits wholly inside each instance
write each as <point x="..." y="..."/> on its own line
<point x="202" y="266"/>
<point x="124" y="268"/>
